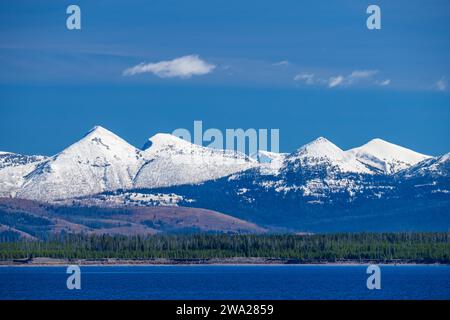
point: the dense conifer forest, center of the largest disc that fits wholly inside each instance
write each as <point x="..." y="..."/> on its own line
<point x="414" y="247"/>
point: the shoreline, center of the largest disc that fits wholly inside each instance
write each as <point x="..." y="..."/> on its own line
<point x="49" y="262"/>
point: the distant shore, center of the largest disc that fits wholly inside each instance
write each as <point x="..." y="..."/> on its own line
<point x="41" y="262"/>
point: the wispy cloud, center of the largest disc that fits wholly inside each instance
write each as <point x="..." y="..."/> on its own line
<point x="335" y="81"/>
<point x="383" y="83"/>
<point x="183" y="67"/>
<point x="441" y="84"/>
<point x="308" y="78"/>
<point x="283" y="63"/>
<point x="358" y="75"/>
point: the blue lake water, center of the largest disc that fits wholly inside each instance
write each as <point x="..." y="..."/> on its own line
<point x="225" y="283"/>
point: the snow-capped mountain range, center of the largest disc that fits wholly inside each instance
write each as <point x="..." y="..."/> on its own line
<point x="318" y="188"/>
<point x="101" y="161"/>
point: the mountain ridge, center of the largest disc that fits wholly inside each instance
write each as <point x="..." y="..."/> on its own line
<point x="317" y="188"/>
<point x="101" y="161"/>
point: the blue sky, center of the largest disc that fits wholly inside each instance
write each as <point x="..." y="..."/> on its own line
<point x="309" y="68"/>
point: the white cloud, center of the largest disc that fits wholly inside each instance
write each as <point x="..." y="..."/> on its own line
<point x="335" y="81"/>
<point x="353" y="78"/>
<point x="384" y="83"/>
<point x="183" y="67"/>
<point x="362" y="74"/>
<point x="283" y="63"/>
<point x="441" y="85"/>
<point x="308" y="78"/>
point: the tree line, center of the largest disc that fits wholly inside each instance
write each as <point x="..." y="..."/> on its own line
<point x="419" y="247"/>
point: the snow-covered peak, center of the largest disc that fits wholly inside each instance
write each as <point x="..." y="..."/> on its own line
<point x="174" y="161"/>
<point x="322" y="152"/>
<point x="167" y="145"/>
<point x="99" y="130"/>
<point x="164" y="140"/>
<point x="383" y="149"/>
<point x="321" y="148"/>
<point x="100" y="161"/>
<point x="101" y="142"/>
<point x="386" y="157"/>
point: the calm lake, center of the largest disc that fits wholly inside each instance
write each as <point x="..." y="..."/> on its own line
<point x="225" y="283"/>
